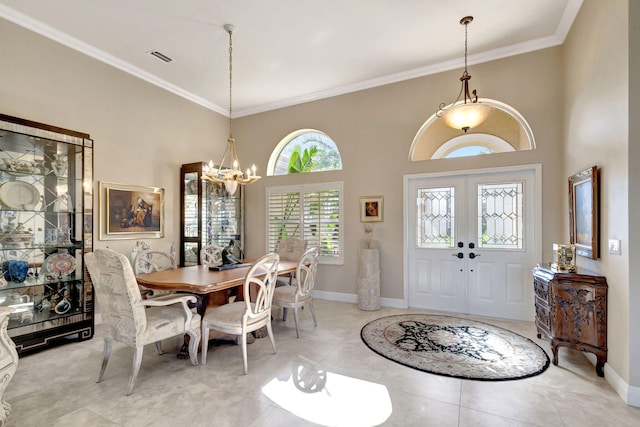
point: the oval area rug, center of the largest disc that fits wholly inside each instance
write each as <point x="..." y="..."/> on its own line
<point x="455" y="347"/>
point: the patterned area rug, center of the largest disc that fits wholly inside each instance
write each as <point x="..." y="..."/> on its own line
<point x="455" y="347"/>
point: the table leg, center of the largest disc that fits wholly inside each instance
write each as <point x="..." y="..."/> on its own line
<point x="201" y="305"/>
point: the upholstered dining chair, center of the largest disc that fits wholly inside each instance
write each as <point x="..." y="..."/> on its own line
<point x="242" y="317"/>
<point x="290" y="249"/>
<point x="301" y="292"/>
<point x="148" y="261"/>
<point x="132" y="320"/>
<point x="211" y="255"/>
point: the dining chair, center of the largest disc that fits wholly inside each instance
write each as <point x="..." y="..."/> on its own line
<point x="290" y="249"/>
<point x="211" y="255"/>
<point x="241" y="317"/>
<point x="301" y="292"/>
<point x="148" y="261"/>
<point x="132" y="320"/>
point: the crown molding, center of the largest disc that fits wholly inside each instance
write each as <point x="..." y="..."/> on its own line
<point x="564" y="26"/>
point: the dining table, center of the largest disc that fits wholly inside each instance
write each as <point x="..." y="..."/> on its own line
<point x="211" y="285"/>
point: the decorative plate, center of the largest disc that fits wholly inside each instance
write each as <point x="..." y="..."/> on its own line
<point x="19" y="195"/>
<point x="60" y="263"/>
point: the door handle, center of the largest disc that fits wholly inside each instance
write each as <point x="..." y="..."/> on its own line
<point x="472" y="255"/>
<point x="460" y="245"/>
<point x="459" y="255"/>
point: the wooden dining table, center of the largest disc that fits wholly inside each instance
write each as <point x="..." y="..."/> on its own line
<point x="213" y="286"/>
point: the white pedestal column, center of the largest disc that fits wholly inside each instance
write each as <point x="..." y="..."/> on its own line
<point x="369" y="279"/>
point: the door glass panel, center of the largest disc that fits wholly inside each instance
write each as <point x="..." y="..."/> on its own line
<point x="435" y="217"/>
<point x="500" y="224"/>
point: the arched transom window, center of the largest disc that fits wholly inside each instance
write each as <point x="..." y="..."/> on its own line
<point x="505" y="130"/>
<point x="305" y="150"/>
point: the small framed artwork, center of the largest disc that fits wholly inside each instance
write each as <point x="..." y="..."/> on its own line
<point x="130" y="211"/>
<point x="371" y="208"/>
<point x="583" y="212"/>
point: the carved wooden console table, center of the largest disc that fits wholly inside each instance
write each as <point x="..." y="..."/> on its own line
<point x="571" y="310"/>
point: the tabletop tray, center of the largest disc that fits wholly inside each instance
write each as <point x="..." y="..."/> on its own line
<point x="230" y="266"/>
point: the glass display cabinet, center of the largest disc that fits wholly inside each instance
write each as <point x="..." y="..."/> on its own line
<point x="210" y="215"/>
<point x="46" y="227"/>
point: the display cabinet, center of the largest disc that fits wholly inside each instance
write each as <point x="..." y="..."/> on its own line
<point x="210" y="215"/>
<point x="571" y="310"/>
<point x="45" y="230"/>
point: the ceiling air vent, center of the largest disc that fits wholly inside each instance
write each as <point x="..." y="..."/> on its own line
<point x="160" y="55"/>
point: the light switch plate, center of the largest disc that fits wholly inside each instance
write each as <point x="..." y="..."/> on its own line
<point x="614" y="246"/>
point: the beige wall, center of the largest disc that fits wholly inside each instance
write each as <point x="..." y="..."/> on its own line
<point x="142" y="133"/>
<point x="634" y="196"/>
<point x="374" y="129"/>
<point x="596" y="133"/>
<point x="573" y="96"/>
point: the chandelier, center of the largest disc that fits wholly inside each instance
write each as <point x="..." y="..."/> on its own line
<point x="467" y="113"/>
<point x="232" y="174"/>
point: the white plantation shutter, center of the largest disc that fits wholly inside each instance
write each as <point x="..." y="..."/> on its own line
<point x="310" y="212"/>
<point x="283" y="217"/>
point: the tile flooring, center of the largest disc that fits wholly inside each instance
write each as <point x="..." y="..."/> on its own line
<point x="343" y="383"/>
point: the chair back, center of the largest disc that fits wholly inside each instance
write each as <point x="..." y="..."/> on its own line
<point x="149" y="260"/>
<point x="291" y="249"/>
<point x="118" y="295"/>
<point x="211" y="255"/>
<point x="262" y="277"/>
<point x="306" y="272"/>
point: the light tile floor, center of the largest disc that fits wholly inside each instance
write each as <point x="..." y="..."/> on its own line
<point x="343" y="384"/>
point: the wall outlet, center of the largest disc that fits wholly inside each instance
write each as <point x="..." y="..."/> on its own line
<point x="614" y="246"/>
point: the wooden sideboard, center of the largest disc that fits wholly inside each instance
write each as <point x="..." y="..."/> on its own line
<point x="571" y="310"/>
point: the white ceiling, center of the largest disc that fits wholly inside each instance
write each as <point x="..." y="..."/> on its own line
<point x="286" y="52"/>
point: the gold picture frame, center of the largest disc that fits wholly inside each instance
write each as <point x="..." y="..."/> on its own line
<point x="584" y="207"/>
<point x="131" y="211"/>
<point x="371" y="208"/>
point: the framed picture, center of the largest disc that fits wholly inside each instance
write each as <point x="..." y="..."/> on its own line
<point x="583" y="212"/>
<point x="130" y="211"/>
<point x="371" y="208"/>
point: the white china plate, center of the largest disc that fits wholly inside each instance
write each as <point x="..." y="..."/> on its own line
<point x="19" y="195"/>
<point x="60" y="263"/>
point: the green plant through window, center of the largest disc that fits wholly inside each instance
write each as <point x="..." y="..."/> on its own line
<point x="305" y="151"/>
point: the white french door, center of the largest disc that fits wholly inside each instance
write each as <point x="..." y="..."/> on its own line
<point x="471" y="242"/>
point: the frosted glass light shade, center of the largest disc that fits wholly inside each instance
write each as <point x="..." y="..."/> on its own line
<point x="231" y="185"/>
<point x="466" y="116"/>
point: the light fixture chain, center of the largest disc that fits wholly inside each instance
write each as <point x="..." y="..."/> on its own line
<point x="465" y="48"/>
<point x="230" y="81"/>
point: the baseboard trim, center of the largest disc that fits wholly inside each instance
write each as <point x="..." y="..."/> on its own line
<point x="352" y="298"/>
<point x="629" y="394"/>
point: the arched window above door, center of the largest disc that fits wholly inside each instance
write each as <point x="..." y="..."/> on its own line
<point x="305" y="150"/>
<point x="505" y="130"/>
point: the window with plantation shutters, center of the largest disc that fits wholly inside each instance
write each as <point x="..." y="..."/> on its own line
<point x="309" y="212"/>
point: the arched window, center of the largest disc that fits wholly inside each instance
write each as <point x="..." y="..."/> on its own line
<point x="305" y="150"/>
<point x="472" y="144"/>
<point x="505" y="130"/>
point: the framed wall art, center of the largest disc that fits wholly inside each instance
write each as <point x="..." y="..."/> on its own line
<point x="130" y="211"/>
<point x="371" y="208"/>
<point x="583" y="212"/>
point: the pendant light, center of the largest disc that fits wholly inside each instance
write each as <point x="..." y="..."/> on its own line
<point x="232" y="174"/>
<point x="467" y="113"/>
